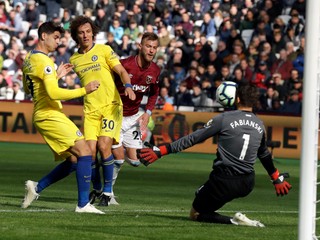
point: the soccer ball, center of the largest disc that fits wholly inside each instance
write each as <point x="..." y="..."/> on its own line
<point x="226" y="93"/>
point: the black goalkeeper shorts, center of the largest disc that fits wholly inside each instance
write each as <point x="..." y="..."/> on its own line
<point x="221" y="189"/>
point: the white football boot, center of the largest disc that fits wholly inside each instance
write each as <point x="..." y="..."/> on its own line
<point x="88" y="209"/>
<point x="30" y="194"/>
<point x="241" y="219"/>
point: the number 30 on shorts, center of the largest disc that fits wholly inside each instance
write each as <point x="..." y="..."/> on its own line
<point x="107" y="124"/>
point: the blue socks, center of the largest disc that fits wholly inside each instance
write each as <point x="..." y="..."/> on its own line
<point x="83" y="175"/>
<point x="58" y="173"/>
<point x="107" y="167"/>
<point x="95" y="175"/>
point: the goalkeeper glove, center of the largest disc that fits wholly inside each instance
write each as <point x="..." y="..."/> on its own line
<point x="281" y="186"/>
<point x="151" y="153"/>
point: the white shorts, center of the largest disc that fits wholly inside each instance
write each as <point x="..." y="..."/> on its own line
<point x="130" y="135"/>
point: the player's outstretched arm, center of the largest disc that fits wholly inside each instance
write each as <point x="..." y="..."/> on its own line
<point x="152" y="153"/>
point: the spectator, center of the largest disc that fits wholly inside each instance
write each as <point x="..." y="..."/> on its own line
<point x="108" y="7"/>
<point x="121" y="13"/>
<point x="225" y="74"/>
<point x="196" y="12"/>
<point x="300" y="7"/>
<point x="132" y="30"/>
<point x="192" y="78"/>
<point x="279" y="85"/>
<point x="298" y="86"/>
<point x="267" y="100"/>
<point x="278" y="42"/>
<point x="70" y="6"/>
<point x="183" y="96"/>
<point x="15" y="93"/>
<point x="117" y="30"/>
<point x="186" y="22"/>
<point x="249" y="21"/>
<point x="296" y="24"/>
<point x="125" y="47"/>
<point x="298" y="63"/>
<point x="164" y="98"/>
<point x="101" y="20"/>
<point x="201" y="101"/>
<point x="62" y="55"/>
<point x="208" y="26"/>
<point x="31" y="14"/>
<point x="282" y="65"/>
<point x="260" y="76"/>
<point x="238" y="76"/>
<point x="66" y="18"/>
<point x="293" y="105"/>
<point x="113" y="43"/>
<point x="246" y="70"/>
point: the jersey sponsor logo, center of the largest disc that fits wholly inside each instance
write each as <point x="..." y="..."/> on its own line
<point x="94" y="67"/>
<point x="148" y="79"/>
<point x="48" y="70"/>
<point x="79" y="133"/>
<point x="94" y="58"/>
<point x="139" y="88"/>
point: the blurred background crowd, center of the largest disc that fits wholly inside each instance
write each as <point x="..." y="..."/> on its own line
<point x="202" y="43"/>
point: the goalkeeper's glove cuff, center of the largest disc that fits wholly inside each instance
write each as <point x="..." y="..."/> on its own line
<point x="165" y="149"/>
<point x="274" y="176"/>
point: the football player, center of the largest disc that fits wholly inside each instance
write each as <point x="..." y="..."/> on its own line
<point x="41" y="81"/>
<point x="241" y="139"/>
<point x="103" y="109"/>
<point x="144" y="75"/>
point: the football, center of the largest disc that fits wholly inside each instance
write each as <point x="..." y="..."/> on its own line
<point x="226" y="93"/>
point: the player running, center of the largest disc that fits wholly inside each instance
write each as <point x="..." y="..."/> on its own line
<point x="144" y="75"/>
<point x="241" y="139"/>
<point x="103" y="109"/>
<point x="61" y="134"/>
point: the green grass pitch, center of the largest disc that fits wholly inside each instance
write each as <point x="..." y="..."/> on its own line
<point x="154" y="201"/>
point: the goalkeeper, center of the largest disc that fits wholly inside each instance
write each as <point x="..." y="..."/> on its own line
<point x="241" y="139"/>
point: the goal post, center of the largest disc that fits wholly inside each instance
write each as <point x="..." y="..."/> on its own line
<point x="310" y="124"/>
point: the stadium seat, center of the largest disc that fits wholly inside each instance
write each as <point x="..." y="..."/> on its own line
<point x="285" y="18"/>
<point x="43" y="18"/>
<point x="25" y="26"/>
<point x="5" y="37"/>
<point x="101" y="38"/>
<point x="246" y="36"/>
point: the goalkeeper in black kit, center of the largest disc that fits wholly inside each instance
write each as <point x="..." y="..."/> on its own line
<point x="241" y="139"/>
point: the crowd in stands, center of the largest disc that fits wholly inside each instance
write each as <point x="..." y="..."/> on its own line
<point x="202" y="43"/>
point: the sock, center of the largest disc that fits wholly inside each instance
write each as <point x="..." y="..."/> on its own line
<point x="214" y="218"/>
<point x="59" y="172"/>
<point x="107" y="167"/>
<point x="83" y="175"/>
<point x="95" y="175"/>
<point x="116" y="169"/>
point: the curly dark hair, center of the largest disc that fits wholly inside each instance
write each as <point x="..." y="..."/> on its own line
<point x="79" y="21"/>
<point x="49" y="28"/>
<point x="248" y="95"/>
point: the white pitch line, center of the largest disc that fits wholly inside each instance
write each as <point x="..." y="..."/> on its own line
<point x="143" y="211"/>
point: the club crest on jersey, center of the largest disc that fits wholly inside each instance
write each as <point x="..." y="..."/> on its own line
<point x="48" y="70"/>
<point x="148" y="79"/>
<point x="79" y="133"/>
<point x="94" y="58"/>
<point x="209" y="123"/>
